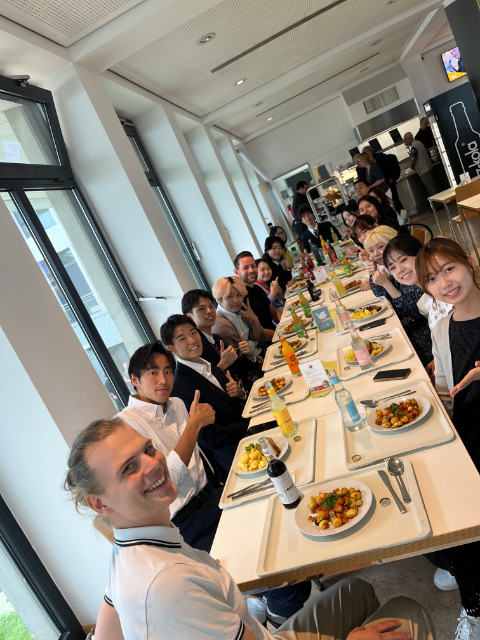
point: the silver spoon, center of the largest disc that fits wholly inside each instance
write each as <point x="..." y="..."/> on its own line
<point x="396" y="468"/>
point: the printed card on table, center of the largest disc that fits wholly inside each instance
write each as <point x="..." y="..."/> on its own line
<point x="320" y="274"/>
<point x="323" y="319"/>
<point x="315" y="376"/>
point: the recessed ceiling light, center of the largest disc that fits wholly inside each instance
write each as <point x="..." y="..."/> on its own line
<point x="376" y="42"/>
<point x="240" y="81"/>
<point x="271" y="118"/>
<point x="206" y="38"/>
<point x="366" y="69"/>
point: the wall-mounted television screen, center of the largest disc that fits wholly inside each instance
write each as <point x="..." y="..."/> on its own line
<point x="453" y="64"/>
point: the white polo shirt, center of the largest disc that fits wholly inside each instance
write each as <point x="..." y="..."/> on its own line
<point x="165" y="431"/>
<point x="162" y="589"/>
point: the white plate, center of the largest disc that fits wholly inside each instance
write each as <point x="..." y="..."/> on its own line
<point x="288" y="381"/>
<point x="281" y="443"/>
<point x="386" y="346"/>
<point x="281" y="327"/>
<point x="375" y="315"/>
<point x="303" y="512"/>
<point x="280" y="355"/>
<point x="372" y="416"/>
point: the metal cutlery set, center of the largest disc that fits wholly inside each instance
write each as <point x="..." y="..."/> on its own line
<point x="395" y="468"/>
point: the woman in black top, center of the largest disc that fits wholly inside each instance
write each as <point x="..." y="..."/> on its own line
<point x="274" y="250"/>
<point x="386" y="202"/>
<point x="374" y="175"/>
<point x="369" y="205"/>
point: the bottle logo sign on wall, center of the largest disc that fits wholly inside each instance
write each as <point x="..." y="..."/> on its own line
<point x="467" y="143"/>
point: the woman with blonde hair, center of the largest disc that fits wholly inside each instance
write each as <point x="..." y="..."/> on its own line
<point x="373" y="173"/>
<point x="236" y="324"/>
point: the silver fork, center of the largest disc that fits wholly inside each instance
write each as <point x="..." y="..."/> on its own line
<point x="371" y="404"/>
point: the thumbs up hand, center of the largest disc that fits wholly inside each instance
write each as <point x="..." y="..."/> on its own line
<point x="233" y="389"/>
<point x="244" y="347"/>
<point x="227" y="356"/>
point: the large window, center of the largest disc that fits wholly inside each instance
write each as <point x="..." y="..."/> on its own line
<point x="187" y="246"/>
<point x="38" y="188"/>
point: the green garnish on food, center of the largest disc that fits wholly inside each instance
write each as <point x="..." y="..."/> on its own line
<point x="330" y="501"/>
<point x="252" y="446"/>
<point x="395" y="409"/>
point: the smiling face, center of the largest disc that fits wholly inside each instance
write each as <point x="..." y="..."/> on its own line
<point x="276" y="251"/>
<point x="204" y="314"/>
<point x="363" y="234"/>
<point x="375" y="251"/>
<point x="309" y="219"/>
<point x="349" y="218"/>
<point x="137" y="488"/>
<point x="280" y="233"/>
<point x="450" y="282"/>
<point x="361" y="189"/>
<point x="402" y="269"/>
<point x="233" y="302"/>
<point x="264" y="273"/>
<point x="156" y="383"/>
<point x="247" y="271"/>
<point x="187" y="343"/>
<point x="367" y="208"/>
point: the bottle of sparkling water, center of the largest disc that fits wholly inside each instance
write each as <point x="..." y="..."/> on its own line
<point x="281" y="413"/>
<point x="345" y="403"/>
<point x="342" y="312"/>
<point x="360" y="348"/>
<point x="317" y="255"/>
<point x="297" y="324"/>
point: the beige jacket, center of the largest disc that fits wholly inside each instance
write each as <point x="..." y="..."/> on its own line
<point x="227" y="331"/>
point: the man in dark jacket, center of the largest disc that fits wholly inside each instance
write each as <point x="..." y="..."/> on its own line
<point x="299" y="199"/>
<point x="314" y="229"/>
<point x="390" y="167"/>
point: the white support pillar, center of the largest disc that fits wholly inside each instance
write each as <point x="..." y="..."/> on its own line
<point x="170" y="154"/>
<point x="113" y="181"/>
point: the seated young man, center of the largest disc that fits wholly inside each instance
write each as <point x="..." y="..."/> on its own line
<point x="159" y="588"/>
<point x="315" y="230"/>
<point x="181" y="336"/>
<point x="199" y="305"/>
<point x="166" y="421"/>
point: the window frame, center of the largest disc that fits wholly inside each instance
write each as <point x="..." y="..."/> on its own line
<point x="170" y="213"/>
<point x="17" y="179"/>
<point x="37" y="577"/>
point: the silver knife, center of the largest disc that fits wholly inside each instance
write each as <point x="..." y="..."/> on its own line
<point x="256" y="490"/>
<point x="388" y="484"/>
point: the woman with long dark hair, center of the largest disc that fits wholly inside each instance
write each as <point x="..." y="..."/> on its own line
<point x="274" y="250"/>
<point x="371" y="206"/>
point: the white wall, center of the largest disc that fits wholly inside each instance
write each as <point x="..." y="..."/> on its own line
<point x="405" y="92"/>
<point x="312" y="135"/>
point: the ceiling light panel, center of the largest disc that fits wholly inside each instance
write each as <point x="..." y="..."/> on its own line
<point x="319" y="85"/>
<point x="64" y="21"/>
<point x="173" y="65"/>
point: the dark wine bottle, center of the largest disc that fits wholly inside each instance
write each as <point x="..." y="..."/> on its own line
<point x="314" y="294"/>
<point x="282" y="480"/>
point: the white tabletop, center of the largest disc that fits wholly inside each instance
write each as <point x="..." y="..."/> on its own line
<point x="239" y="533"/>
<point x="443" y="196"/>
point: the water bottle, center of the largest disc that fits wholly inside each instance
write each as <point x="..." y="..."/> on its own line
<point x="345" y="403"/>
<point x="360" y="348"/>
<point x="342" y="313"/>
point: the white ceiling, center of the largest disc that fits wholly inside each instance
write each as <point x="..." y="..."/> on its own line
<point x="152" y="43"/>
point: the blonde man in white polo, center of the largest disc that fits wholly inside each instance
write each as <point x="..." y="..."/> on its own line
<point x="159" y="588"/>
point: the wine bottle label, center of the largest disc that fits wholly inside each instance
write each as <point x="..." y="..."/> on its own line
<point x="345" y="316"/>
<point x="285" y="487"/>
<point x="363" y="356"/>
<point x="284" y="420"/>
<point x="348" y="269"/>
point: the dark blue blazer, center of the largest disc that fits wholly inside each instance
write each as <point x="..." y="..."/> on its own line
<point x="222" y="437"/>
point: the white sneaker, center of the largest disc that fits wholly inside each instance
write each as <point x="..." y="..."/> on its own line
<point x="257" y="607"/>
<point x="468" y="627"/>
<point x="444" y="580"/>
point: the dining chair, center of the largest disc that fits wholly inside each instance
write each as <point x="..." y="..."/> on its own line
<point x="462" y="192"/>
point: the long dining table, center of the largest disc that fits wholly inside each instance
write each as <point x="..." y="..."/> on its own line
<point x="446" y="477"/>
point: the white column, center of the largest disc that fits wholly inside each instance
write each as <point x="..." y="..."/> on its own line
<point x="112" y="179"/>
